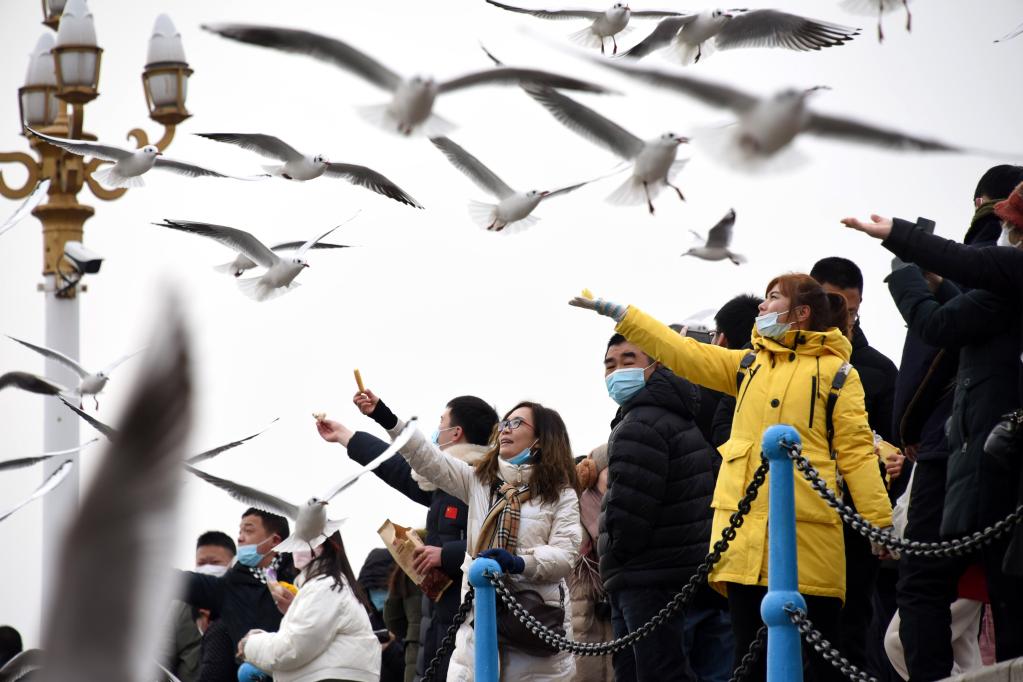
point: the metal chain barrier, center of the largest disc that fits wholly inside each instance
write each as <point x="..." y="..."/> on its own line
<point x="751" y="656"/>
<point x="946" y="548"/>
<point x="678" y="602"/>
<point x="448" y="643"/>
<point x="822" y="646"/>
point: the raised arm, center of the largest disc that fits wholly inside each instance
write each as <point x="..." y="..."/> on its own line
<point x="446" y="472"/>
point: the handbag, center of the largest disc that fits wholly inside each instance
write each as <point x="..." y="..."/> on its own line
<point x="516" y="633"/>
<point x="1006" y="438"/>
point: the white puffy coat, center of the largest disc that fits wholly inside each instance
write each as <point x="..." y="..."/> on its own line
<point x="548" y="542"/>
<point x="325" y="634"/>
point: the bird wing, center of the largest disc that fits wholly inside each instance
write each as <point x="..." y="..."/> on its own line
<point x="555" y="14"/>
<point x="472" y="167"/>
<point x="312" y="242"/>
<point x="771" y="28"/>
<point x="189" y="169"/>
<point x="113" y="365"/>
<point x="231" y="237"/>
<point x="32" y="383"/>
<point x="49" y="484"/>
<point x="209" y="454"/>
<point x="720" y="236"/>
<point x="654" y="14"/>
<point x="588" y="123"/>
<point x="313" y="45"/>
<point x="372" y="180"/>
<point x="854" y="131"/>
<point x="508" y="75"/>
<point x="566" y="190"/>
<point x="55" y="355"/>
<point x="266" y="145"/>
<point x="290" y="246"/>
<point x="248" y="495"/>
<point x="107" y="431"/>
<point x="131" y="502"/>
<point x="21" y="665"/>
<point x="709" y="92"/>
<point x="1011" y="34"/>
<point x="392" y="449"/>
<point x="33" y="200"/>
<point x="83" y="148"/>
<point x="661" y="36"/>
<point x="22" y="462"/>
<point x="171" y="677"/>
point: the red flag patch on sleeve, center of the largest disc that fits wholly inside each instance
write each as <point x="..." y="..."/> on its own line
<point x="451" y="512"/>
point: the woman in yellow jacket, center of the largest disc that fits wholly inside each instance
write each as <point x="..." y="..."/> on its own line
<point x="798" y="350"/>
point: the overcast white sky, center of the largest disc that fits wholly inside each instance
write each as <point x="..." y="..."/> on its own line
<point x="431" y="307"/>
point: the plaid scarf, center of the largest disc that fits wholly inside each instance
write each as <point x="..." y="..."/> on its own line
<point x="260" y="573"/>
<point x="501" y="526"/>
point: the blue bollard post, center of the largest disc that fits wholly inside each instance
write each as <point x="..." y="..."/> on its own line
<point x="487" y="668"/>
<point x="784" y="651"/>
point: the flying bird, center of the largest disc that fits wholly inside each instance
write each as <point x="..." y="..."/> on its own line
<point x="33" y="200"/>
<point x="693" y="36"/>
<point x="280" y="272"/>
<point x="311" y="524"/>
<point x="717" y="242"/>
<point x="513" y="208"/>
<point x="1008" y="36"/>
<point x="90" y="383"/>
<point x="411" y="107"/>
<point x="129" y="164"/>
<point x="241" y="262"/>
<point x="51" y="482"/>
<point x="32" y="383"/>
<point x="603" y="24"/>
<point x="879" y="8"/>
<point x="302" y="167"/>
<point x="22" y="462"/>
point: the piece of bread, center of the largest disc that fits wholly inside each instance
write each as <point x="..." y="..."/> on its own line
<point x="319" y="416"/>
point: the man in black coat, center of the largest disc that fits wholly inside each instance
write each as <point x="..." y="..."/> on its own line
<point x="656" y="518"/>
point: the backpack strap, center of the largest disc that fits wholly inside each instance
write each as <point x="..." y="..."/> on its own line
<point x="747" y="360"/>
<point x="829" y="408"/>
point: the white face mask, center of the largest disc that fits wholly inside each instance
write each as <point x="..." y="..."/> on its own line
<point x="212" y="569"/>
<point x="769" y="326"/>
<point x="1003" y="239"/>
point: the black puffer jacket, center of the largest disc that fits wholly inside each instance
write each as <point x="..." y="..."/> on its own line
<point x="656" y="518"/>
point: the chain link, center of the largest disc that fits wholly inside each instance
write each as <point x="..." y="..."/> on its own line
<point x="678" y="603"/>
<point x="822" y="646"/>
<point x="946" y="548"/>
<point x="750" y="658"/>
<point x="448" y="643"/>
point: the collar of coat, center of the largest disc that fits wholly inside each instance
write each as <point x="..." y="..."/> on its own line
<point x="813" y="344"/>
<point x="516" y="474"/>
<point x="467" y="452"/>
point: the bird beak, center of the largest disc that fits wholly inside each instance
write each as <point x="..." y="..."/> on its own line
<point x="817" y="88"/>
<point x="305" y="265"/>
<point x="628" y="9"/>
<point x="322" y="503"/>
<point x="159" y="153"/>
<point x="544" y="193"/>
<point x="683" y="140"/>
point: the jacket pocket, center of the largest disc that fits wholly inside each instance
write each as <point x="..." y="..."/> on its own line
<point x="731" y="481"/>
<point x="810" y="507"/>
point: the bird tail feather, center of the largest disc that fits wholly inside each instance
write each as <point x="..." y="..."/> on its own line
<point x="630" y="192"/>
<point x="517" y="226"/>
<point x="109" y="177"/>
<point x="381" y="116"/>
<point x="226" y="268"/>
<point x="585" y="38"/>
<point x="257" y="290"/>
<point x="686" y="53"/>
<point x="482" y="213"/>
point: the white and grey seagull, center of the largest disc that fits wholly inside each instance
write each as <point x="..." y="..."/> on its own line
<point x="716" y="244"/>
<point x="241" y="262"/>
<point x="693" y="36"/>
<point x="302" y="167"/>
<point x="411" y="106"/>
<point x="280" y="274"/>
<point x="604" y="24"/>
<point x="513" y="209"/>
<point x="129" y="165"/>
<point x="90" y="383"/>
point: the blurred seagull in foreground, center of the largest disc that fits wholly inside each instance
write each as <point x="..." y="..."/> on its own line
<point x="90" y="383"/>
<point x="129" y="164"/>
<point x="33" y="383"/>
<point x="604" y="24"/>
<point x="302" y="167"/>
<point x="513" y="208"/>
<point x="33" y="200"/>
<point x="412" y="105"/>
<point x="717" y="242"/>
<point x="23" y="462"/>
<point x="694" y="36"/>
<point x="879" y="8"/>
<point x="241" y="262"/>
<point x="280" y="274"/>
<point x="311" y="524"/>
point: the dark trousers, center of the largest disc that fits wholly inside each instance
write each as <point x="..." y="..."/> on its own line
<point x="861" y="567"/>
<point x="660" y="656"/>
<point x="825" y="612"/>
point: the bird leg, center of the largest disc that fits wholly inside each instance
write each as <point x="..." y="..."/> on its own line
<point x="601" y="44"/>
<point x="95" y="399"/>
<point x="699" y="53"/>
<point x="880" y="13"/>
<point x="909" y="16"/>
<point x="650" y="204"/>
<point x="615" y="51"/>
<point x="677" y="190"/>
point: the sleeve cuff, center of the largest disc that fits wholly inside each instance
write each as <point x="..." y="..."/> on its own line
<point x="382" y="415"/>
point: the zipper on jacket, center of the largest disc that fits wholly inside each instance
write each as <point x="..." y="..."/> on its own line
<point x="813" y="399"/>
<point x="752" y="373"/>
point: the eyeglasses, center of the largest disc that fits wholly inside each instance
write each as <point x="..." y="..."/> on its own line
<point x="512" y="424"/>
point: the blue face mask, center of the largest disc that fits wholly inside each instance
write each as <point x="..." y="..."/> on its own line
<point x="523" y="457"/>
<point x="435" y="436"/>
<point x="249" y="556"/>
<point x="769" y="326"/>
<point x="623" y="384"/>
<point x="379" y="598"/>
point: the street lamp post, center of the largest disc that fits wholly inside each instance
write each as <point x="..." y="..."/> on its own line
<point x="63" y="76"/>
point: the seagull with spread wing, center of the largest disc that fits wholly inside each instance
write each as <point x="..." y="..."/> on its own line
<point x="129" y="165"/>
<point x="32" y="383"/>
<point x="311" y="524"/>
<point x="603" y="24"/>
<point x="241" y="262"/>
<point x="513" y="209"/>
<point x="411" y="106"/>
<point x="51" y="482"/>
<point x="90" y="383"/>
<point x="693" y="36"/>
<point x="716" y="244"/>
<point x="302" y="167"/>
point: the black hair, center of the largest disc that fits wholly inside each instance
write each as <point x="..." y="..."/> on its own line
<point x="735" y="319"/>
<point x="617" y="340"/>
<point x="274" y="523"/>
<point x="998" y="182"/>
<point x="216" y="538"/>
<point x="838" y="272"/>
<point x="476" y="417"/>
<point x="10" y="643"/>
<point x="333" y="563"/>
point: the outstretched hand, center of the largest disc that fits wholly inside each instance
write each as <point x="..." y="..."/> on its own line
<point x="366" y="401"/>
<point x="333" y="431"/>
<point x="879" y="227"/>
<point x="615" y="311"/>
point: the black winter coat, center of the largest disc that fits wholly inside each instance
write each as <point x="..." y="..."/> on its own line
<point x="656" y="516"/>
<point x="878" y="375"/>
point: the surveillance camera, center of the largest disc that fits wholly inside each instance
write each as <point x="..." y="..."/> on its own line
<point x="84" y="260"/>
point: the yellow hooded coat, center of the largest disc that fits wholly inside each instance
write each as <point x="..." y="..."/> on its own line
<point x="788" y="383"/>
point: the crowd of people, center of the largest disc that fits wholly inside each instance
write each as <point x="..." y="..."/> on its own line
<point x="596" y="545"/>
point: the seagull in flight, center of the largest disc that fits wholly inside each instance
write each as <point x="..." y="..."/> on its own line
<point x="280" y="274"/>
<point x="241" y="262"/>
<point x="603" y="24"/>
<point x="129" y="164"/>
<point x="33" y="383"/>
<point x="716" y="244"/>
<point x="33" y="200"/>
<point x="51" y="482"/>
<point x="513" y="208"/>
<point x="693" y="36"/>
<point x="411" y="107"/>
<point x="311" y="524"/>
<point x="880" y="8"/>
<point x="90" y="383"/>
<point x="302" y="167"/>
<point x="22" y="462"/>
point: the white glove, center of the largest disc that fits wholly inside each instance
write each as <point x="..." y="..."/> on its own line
<point x="615" y="311"/>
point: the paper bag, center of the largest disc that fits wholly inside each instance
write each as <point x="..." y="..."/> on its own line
<point x="401" y="542"/>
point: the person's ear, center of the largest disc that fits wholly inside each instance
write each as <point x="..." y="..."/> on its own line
<point x="978" y="201"/>
<point x="802" y="313"/>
